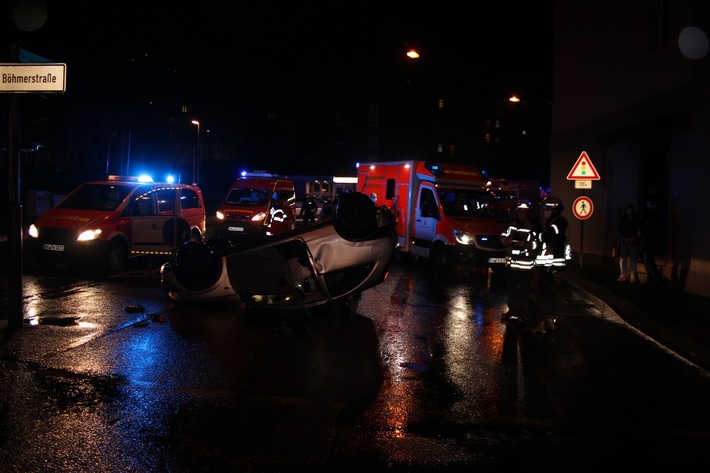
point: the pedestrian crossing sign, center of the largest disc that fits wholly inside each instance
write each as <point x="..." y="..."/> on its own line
<point x="583" y="208"/>
<point x="583" y="169"/>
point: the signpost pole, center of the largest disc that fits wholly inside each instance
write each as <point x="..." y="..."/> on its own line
<point x="14" y="240"/>
<point x="583" y="173"/>
<point x="581" y="240"/>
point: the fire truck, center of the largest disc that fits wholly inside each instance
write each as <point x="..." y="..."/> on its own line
<point x="244" y="211"/>
<point x="444" y="212"/>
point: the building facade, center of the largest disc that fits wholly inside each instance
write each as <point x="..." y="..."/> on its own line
<point x="630" y="88"/>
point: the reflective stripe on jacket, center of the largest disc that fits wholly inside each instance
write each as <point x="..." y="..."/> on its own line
<point x="522" y="242"/>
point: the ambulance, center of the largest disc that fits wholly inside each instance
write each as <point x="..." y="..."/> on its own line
<point x="444" y="212"/>
<point x="101" y="224"/>
<point x="244" y="210"/>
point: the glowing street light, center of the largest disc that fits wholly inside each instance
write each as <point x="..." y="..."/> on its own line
<point x="196" y="156"/>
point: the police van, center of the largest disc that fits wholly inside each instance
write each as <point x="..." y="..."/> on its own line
<point x="102" y="224"/>
<point x="244" y="210"/>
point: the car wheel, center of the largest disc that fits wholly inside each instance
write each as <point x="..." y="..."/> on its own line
<point x="116" y="256"/>
<point x="197" y="267"/>
<point x="356" y="216"/>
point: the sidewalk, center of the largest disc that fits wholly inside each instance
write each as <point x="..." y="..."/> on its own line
<point x="677" y="320"/>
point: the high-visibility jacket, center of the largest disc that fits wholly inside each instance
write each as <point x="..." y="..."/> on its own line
<point x="521" y="238"/>
<point x="277" y="221"/>
<point x="554" y="251"/>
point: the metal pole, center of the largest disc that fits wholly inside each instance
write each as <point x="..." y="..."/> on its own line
<point x="199" y="154"/>
<point x="14" y="285"/>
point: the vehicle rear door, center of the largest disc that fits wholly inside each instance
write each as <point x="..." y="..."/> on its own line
<point x="151" y="210"/>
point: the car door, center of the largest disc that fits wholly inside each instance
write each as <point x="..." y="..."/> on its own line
<point x="427" y="214"/>
<point x="150" y="212"/>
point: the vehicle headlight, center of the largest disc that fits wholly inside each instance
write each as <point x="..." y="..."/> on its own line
<point x="33" y="231"/>
<point x="463" y="237"/>
<point x="219" y="215"/>
<point x="259" y="217"/>
<point x="89" y="235"/>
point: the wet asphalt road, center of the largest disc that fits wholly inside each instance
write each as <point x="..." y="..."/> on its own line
<point x="417" y="374"/>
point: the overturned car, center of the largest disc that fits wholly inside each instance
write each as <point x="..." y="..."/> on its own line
<point x="311" y="266"/>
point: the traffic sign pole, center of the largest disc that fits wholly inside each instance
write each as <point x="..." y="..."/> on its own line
<point x="583" y="173"/>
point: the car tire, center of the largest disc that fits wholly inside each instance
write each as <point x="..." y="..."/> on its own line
<point x="116" y="256"/>
<point x="197" y="266"/>
<point x="356" y="216"/>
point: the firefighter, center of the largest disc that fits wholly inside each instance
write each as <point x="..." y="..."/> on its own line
<point x="521" y="238"/>
<point x="277" y="217"/>
<point x="551" y="259"/>
<point x="309" y="209"/>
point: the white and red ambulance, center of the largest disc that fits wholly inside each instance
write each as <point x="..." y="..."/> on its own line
<point x="444" y="212"/>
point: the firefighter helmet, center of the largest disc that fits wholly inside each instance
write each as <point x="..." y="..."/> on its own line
<point x="552" y="203"/>
<point x="522" y="205"/>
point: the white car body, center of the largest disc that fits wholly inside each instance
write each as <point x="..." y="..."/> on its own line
<point x="307" y="267"/>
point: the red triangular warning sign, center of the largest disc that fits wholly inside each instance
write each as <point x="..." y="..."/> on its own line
<point x="583" y="169"/>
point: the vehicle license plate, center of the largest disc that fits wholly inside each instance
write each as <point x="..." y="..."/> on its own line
<point x="53" y="247"/>
<point x="496" y="260"/>
<point x="235" y="229"/>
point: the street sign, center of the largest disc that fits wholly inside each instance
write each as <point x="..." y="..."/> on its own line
<point x="583" y="208"/>
<point x="583" y="169"/>
<point x="582" y="184"/>
<point x="26" y="77"/>
<point x="27" y="56"/>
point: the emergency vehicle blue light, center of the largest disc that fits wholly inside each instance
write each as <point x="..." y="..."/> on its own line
<point x="145" y="178"/>
<point x="170" y="179"/>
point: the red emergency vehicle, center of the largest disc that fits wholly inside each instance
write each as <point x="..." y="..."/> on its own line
<point x="443" y="211"/>
<point x="101" y="224"/>
<point x="244" y="211"/>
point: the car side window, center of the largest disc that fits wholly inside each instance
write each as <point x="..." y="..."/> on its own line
<point x="166" y="201"/>
<point x="143" y="206"/>
<point x="189" y="199"/>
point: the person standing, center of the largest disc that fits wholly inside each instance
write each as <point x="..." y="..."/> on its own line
<point x="329" y="209"/>
<point x="277" y="217"/>
<point x="552" y="259"/>
<point x="628" y="233"/>
<point x="521" y="238"/>
<point x="649" y="242"/>
<point x="309" y="210"/>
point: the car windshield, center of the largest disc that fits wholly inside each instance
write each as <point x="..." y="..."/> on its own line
<point x="96" y="197"/>
<point x="468" y="203"/>
<point x="247" y="196"/>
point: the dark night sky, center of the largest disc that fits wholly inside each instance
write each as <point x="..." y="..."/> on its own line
<point x="264" y="54"/>
<point x="499" y="41"/>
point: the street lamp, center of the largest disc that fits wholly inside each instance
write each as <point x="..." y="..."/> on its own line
<point x="196" y="156"/>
